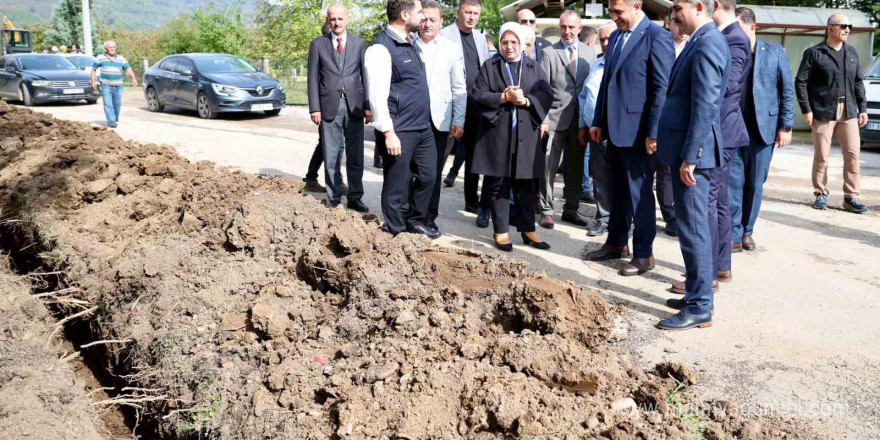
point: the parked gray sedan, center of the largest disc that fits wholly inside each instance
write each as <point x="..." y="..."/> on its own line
<point x="211" y="84"/>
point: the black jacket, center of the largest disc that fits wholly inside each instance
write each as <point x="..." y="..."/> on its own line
<point x="816" y="83"/>
<point x="494" y="148"/>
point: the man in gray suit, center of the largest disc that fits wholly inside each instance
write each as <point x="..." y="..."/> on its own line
<point x="464" y="33"/>
<point x="567" y="64"/>
<point x="338" y="106"/>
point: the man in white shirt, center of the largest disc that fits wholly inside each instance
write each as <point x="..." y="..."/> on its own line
<point x="598" y="151"/>
<point x="444" y="66"/>
<point x="397" y="81"/>
<point x="679" y="38"/>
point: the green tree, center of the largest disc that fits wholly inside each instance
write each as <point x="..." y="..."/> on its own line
<point x="180" y="35"/>
<point x="491" y="18"/>
<point x="66" y="28"/>
<point x="285" y="28"/>
<point x="220" y="31"/>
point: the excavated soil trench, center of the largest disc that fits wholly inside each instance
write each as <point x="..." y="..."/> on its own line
<point x="245" y="310"/>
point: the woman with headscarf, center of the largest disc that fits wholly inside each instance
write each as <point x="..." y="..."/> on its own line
<point x="512" y="98"/>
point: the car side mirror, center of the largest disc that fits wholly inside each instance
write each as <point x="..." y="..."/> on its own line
<point x="10" y="69"/>
<point x="187" y="73"/>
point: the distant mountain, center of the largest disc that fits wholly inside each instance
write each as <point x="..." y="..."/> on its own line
<point x="128" y="14"/>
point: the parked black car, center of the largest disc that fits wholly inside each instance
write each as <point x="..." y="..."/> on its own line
<point x="39" y="78"/>
<point x="211" y="84"/>
<point x="81" y="61"/>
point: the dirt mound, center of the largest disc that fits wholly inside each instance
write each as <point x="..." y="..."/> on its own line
<point x="40" y="398"/>
<point x="253" y="312"/>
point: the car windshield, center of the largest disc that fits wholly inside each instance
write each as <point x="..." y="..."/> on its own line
<point x="46" y="62"/>
<point x="82" y="62"/>
<point x="874" y="70"/>
<point x="223" y="65"/>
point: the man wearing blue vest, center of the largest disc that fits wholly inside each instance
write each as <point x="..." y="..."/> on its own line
<point x="398" y="92"/>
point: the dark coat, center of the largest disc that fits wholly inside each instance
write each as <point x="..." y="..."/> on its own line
<point x="494" y="148"/>
<point x="816" y="83"/>
<point x="540" y="45"/>
<point x="733" y="126"/>
<point x="326" y="80"/>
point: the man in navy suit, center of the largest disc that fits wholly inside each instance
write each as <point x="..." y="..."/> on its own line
<point x="768" y="109"/>
<point x="734" y="132"/>
<point x="628" y="110"/>
<point x="689" y="139"/>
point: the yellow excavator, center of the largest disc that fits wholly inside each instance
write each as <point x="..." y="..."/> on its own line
<point x="15" y="40"/>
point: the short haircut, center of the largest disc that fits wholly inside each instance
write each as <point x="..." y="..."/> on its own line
<point x="833" y="19"/>
<point x="746" y="15"/>
<point x="432" y="4"/>
<point x="708" y="5"/>
<point x="109" y="42"/>
<point x="727" y="5"/>
<point x="570" y="12"/>
<point x="588" y="35"/>
<point x="464" y="3"/>
<point x="396" y="7"/>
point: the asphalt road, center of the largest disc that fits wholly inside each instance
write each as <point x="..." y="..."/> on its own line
<point x="797" y="334"/>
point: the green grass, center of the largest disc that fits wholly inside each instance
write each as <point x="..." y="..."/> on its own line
<point x="296" y="90"/>
<point x="680" y="406"/>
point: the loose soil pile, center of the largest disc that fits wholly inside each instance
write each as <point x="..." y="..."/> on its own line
<point x="250" y="311"/>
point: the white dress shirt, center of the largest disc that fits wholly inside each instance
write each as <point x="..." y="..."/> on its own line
<point x="568" y="47"/>
<point x="429" y="52"/>
<point x="339" y="37"/>
<point x="680" y="47"/>
<point x="588" y="95"/>
<point x="725" y="25"/>
<point x="377" y="69"/>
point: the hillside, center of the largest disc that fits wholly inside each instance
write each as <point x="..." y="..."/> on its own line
<point x="127" y="14"/>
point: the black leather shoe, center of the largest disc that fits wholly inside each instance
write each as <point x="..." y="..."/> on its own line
<point x="535" y="244"/>
<point x="683" y="321"/>
<point x="357" y="205"/>
<point x="678" y="304"/>
<point x="671" y="229"/>
<point x="483" y="218"/>
<point x="377" y="162"/>
<point x="506" y="247"/>
<point x="432" y="225"/>
<point x="597" y="229"/>
<point x="471" y="209"/>
<point x="421" y="228"/>
<point x="449" y="181"/>
<point x="588" y="197"/>
<point x="575" y="219"/>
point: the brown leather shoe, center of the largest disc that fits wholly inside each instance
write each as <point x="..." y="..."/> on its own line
<point x="735" y="247"/>
<point x="749" y="242"/>
<point x="609" y="253"/>
<point x="725" y="276"/>
<point x="547" y="222"/>
<point x="679" y="288"/>
<point x="314" y="186"/>
<point x="638" y="266"/>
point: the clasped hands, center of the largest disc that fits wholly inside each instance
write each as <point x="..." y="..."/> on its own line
<point x="514" y="95"/>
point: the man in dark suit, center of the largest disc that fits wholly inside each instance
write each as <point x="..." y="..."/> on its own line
<point x="338" y="106"/>
<point x="768" y="109"/>
<point x="526" y="17"/>
<point x="689" y="139"/>
<point x="567" y="64"/>
<point x="734" y="134"/>
<point x="628" y="110"/>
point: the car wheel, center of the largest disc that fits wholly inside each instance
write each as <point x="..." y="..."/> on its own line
<point x="91" y="101"/>
<point x="204" y="107"/>
<point x="274" y="112"/>
<point x="153" y="101"/>
<point x="26" y="95"/>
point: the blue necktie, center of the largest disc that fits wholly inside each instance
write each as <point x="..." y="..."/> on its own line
<point x="618" y="46"/>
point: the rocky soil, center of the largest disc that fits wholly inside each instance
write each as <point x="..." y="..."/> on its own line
<point x="245" y="310"/>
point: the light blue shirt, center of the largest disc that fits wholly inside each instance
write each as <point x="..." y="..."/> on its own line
<point x="588" y="95"/>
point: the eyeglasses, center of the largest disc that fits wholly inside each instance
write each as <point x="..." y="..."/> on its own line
<point x="843" y="27"/>
<point x="528" y="21"/>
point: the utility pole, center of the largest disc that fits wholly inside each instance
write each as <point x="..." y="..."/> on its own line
<point x="87" y="27"/>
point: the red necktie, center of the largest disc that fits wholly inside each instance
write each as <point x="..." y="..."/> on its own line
<point x="339" y="45"/>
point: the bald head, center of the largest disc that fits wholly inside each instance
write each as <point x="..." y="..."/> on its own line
<point x="527" y="18"/>
<point x="839" y="29"/>
<point x="337" y="18"/>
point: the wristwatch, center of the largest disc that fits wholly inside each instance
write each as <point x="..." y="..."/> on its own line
<point x="786" y="129"/>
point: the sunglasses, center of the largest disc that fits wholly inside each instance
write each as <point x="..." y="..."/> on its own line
<point x="527" y="21"/>
<point x="843" y="27"/>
